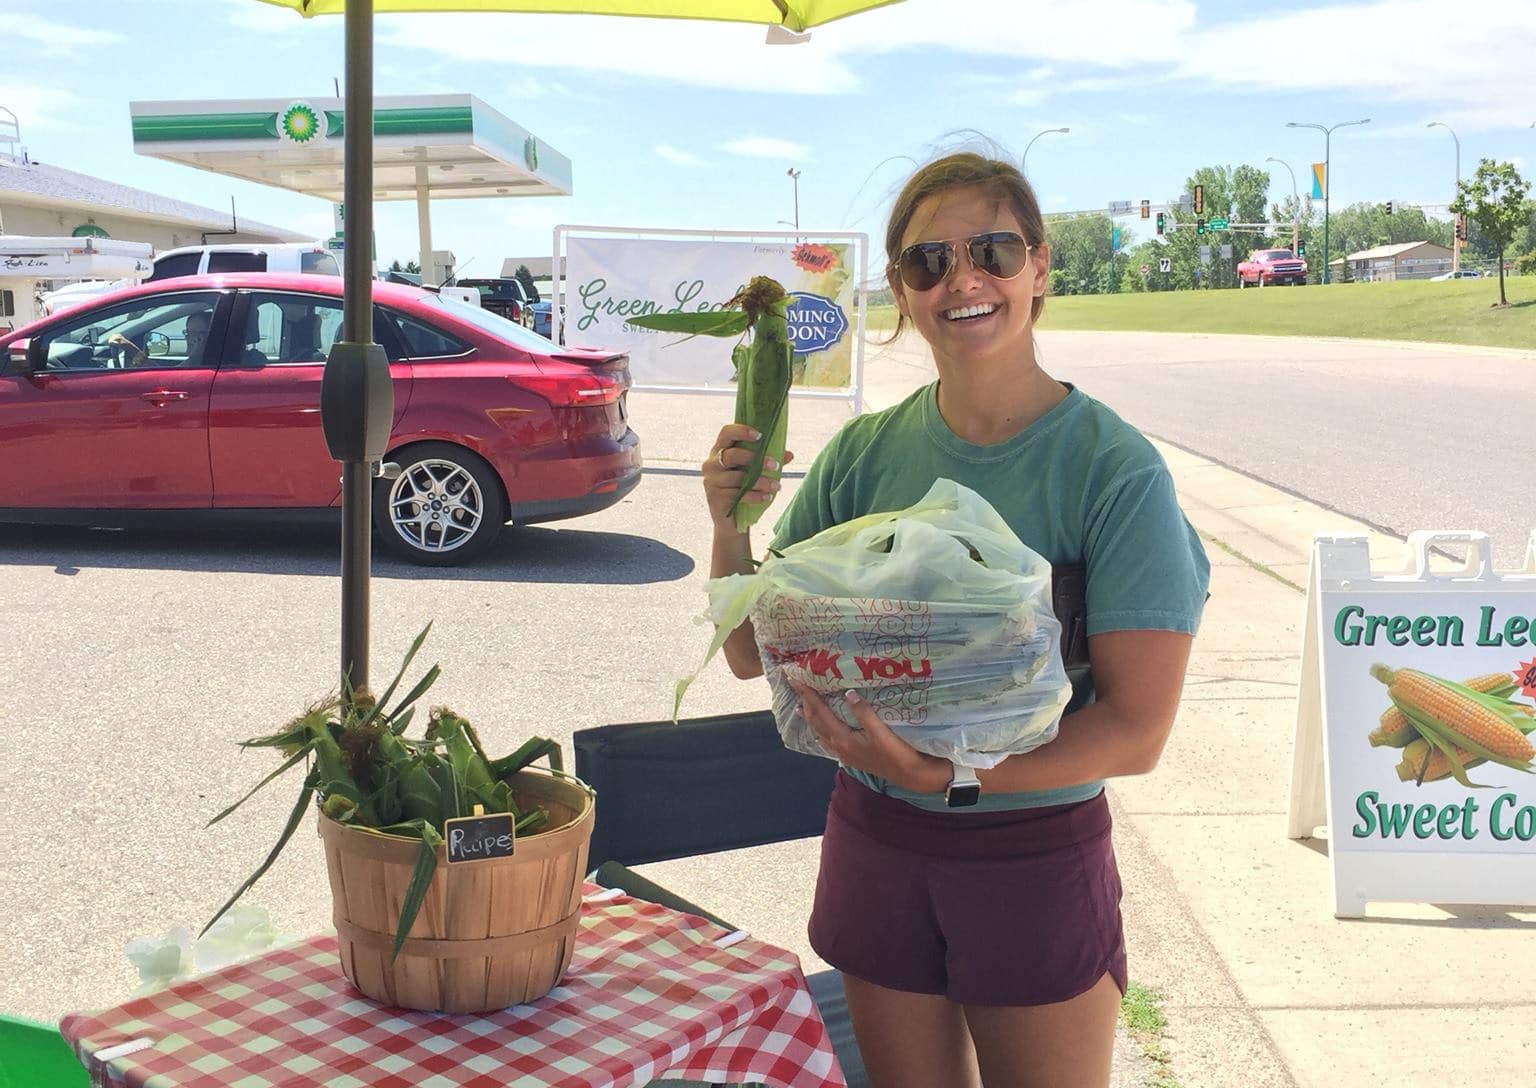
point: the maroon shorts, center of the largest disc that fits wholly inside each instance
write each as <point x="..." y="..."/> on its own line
<point x="986" y="908"/>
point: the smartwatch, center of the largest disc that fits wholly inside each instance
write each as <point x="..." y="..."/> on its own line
<point x="964" y="789"/>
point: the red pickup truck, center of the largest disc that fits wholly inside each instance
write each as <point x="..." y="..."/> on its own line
<point x="1271" y="266"/>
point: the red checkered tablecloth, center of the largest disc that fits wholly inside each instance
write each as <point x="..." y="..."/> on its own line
<point x="649" y="994"/>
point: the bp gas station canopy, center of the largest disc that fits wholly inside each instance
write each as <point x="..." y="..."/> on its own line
<point x="424" y="147"/>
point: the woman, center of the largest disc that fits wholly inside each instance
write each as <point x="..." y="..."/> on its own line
<point x="983" y="944"/>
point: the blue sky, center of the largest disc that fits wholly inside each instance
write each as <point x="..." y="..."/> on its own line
<point x="693" y="125"/>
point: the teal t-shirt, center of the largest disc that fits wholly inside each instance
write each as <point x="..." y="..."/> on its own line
<point x="1079" y="486"/>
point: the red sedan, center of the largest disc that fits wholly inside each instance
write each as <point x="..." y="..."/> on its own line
<point x="203" y="394"/>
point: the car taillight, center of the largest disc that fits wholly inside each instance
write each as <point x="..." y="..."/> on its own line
<point x="573" y="390"/>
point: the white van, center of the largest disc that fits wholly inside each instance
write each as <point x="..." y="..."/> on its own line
<point x="310" y="257"/>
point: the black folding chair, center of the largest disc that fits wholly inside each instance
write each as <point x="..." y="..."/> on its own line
<point x="698" y="786"/>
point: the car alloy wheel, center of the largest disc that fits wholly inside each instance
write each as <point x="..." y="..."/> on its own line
<point x="443" y="508"/>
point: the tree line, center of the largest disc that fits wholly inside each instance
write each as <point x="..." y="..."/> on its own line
<point x="1502" y="226"/>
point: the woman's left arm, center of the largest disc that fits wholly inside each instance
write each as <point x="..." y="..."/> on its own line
<point x="1138" y="676"/>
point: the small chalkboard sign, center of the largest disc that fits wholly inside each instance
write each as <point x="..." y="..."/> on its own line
<point x="480" y="837"/>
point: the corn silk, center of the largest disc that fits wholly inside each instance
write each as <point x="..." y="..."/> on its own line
<point x="937" y="615"/>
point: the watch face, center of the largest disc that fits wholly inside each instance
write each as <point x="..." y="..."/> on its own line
<point x="962" y="795"/>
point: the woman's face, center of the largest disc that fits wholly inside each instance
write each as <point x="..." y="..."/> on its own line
<point x="969" y="313"/>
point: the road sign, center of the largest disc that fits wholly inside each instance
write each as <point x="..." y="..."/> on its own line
<point x="1216" y="224"/>
<point x="1145" y="269"/>
<point x="1119" y="207"/>
<point x="1226" y="252"/>
<point x="1165" y="264"/>
<point x="1205" y="254"/>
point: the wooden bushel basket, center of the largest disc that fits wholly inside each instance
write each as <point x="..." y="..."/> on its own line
<point x="490" y="934"/>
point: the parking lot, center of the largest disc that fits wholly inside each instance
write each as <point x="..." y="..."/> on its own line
<point x="138" y="660"/>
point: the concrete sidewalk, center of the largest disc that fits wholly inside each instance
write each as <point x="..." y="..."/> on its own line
<point x="1232" y="921"/>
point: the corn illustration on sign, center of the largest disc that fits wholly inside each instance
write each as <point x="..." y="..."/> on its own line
<point x="1418" y="707"/>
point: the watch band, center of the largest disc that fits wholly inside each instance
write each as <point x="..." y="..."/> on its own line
<point x="964" y="787"/>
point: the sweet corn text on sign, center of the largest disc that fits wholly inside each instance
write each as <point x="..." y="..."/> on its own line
<point x="1416" y="724"/>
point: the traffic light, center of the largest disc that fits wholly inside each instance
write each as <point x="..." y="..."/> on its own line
<point x="1146" y="208"/>
<point x="1200" y="201"/>
<point x="1461" y="228"/>
<point x="1162" y="222"/>
<point x="1199" y="226"/>
<point x="1301" y="248"/>
<point x="1389" y="207"/>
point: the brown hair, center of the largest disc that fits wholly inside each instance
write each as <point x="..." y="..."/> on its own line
<point x="997" y="177"/>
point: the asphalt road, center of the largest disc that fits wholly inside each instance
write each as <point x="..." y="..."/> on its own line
<point x="1401" y="436"/>
<point x="136" y="661"/>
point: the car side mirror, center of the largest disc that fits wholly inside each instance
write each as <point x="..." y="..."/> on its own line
<point x="157" y="343"/>
<point x="23" y="355"/>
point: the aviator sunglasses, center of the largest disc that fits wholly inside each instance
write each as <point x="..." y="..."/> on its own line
<point x="1001" y="254"/>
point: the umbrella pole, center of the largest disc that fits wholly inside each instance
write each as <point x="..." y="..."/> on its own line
<point x="356" y="394"/>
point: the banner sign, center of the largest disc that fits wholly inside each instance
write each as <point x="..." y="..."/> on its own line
<point x="1416" y="724"/>
<point x="609" y="278"/>
<point x="1319" y="180"/>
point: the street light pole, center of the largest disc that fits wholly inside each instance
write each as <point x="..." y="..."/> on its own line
<point x="794" y="176"/>
<point x="1295" y="203"/>
<point x="1327" y="132"/>
<point x="1024" y="161"/>
<point x="1455" y="249"/>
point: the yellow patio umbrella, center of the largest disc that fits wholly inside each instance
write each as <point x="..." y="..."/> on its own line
<point x="356" y="400"/>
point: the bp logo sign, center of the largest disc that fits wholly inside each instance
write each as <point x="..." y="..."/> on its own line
<point x="300" y="123"/>
<point x="815" y="323"/>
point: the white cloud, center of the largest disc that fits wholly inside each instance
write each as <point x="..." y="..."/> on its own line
<point x="38" y="107"/>
<point x="678" y="156"/>
<point x="695" y="53"/>
<point x="49" y="38"/>
<point x="766" y="147"/>
<point x="1475" y="69"/>
<point x="263" y="18"/>
<point x="1418" y="52"/>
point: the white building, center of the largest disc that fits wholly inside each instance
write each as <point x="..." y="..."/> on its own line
<point x="1403" y="261"/>
<point x="48" y="201"/>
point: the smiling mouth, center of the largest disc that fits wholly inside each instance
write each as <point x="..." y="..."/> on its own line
<point x="970" y="313"/>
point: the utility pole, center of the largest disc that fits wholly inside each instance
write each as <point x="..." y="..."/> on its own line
<point x="1024" y="160"/>
<point x="794" y="176"/>
<point x="1455" y="246"/>
<point x="1295" y="203"/>
<point x="1327" y="131"/>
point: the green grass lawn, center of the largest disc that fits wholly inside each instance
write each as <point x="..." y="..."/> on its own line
<point x="1458" y="312"/>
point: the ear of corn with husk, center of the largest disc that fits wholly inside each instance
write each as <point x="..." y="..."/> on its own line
<point x="1396" y="731"/>
<point x="763" y="374"/>
<point x="365" y="771"/>
<point x="1460" y="725"/>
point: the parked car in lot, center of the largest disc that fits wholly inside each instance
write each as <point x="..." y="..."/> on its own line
<point x="306" y="257"/>
<point x="200" y="396"/>
<point x="1459" y="274"/>
<point x="1271" y="266"/>
<point x="503" y="295"/>
<point x="542" y="320"/>
<point x="197" y="260"/>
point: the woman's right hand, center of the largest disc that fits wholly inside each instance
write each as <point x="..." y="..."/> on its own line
<point x="724" y="470"/>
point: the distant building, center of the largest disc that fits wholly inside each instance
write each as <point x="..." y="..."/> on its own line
<point x="1403" y="261"/>
<point x="49" y="201"/>
<point x="542" y="268"/>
